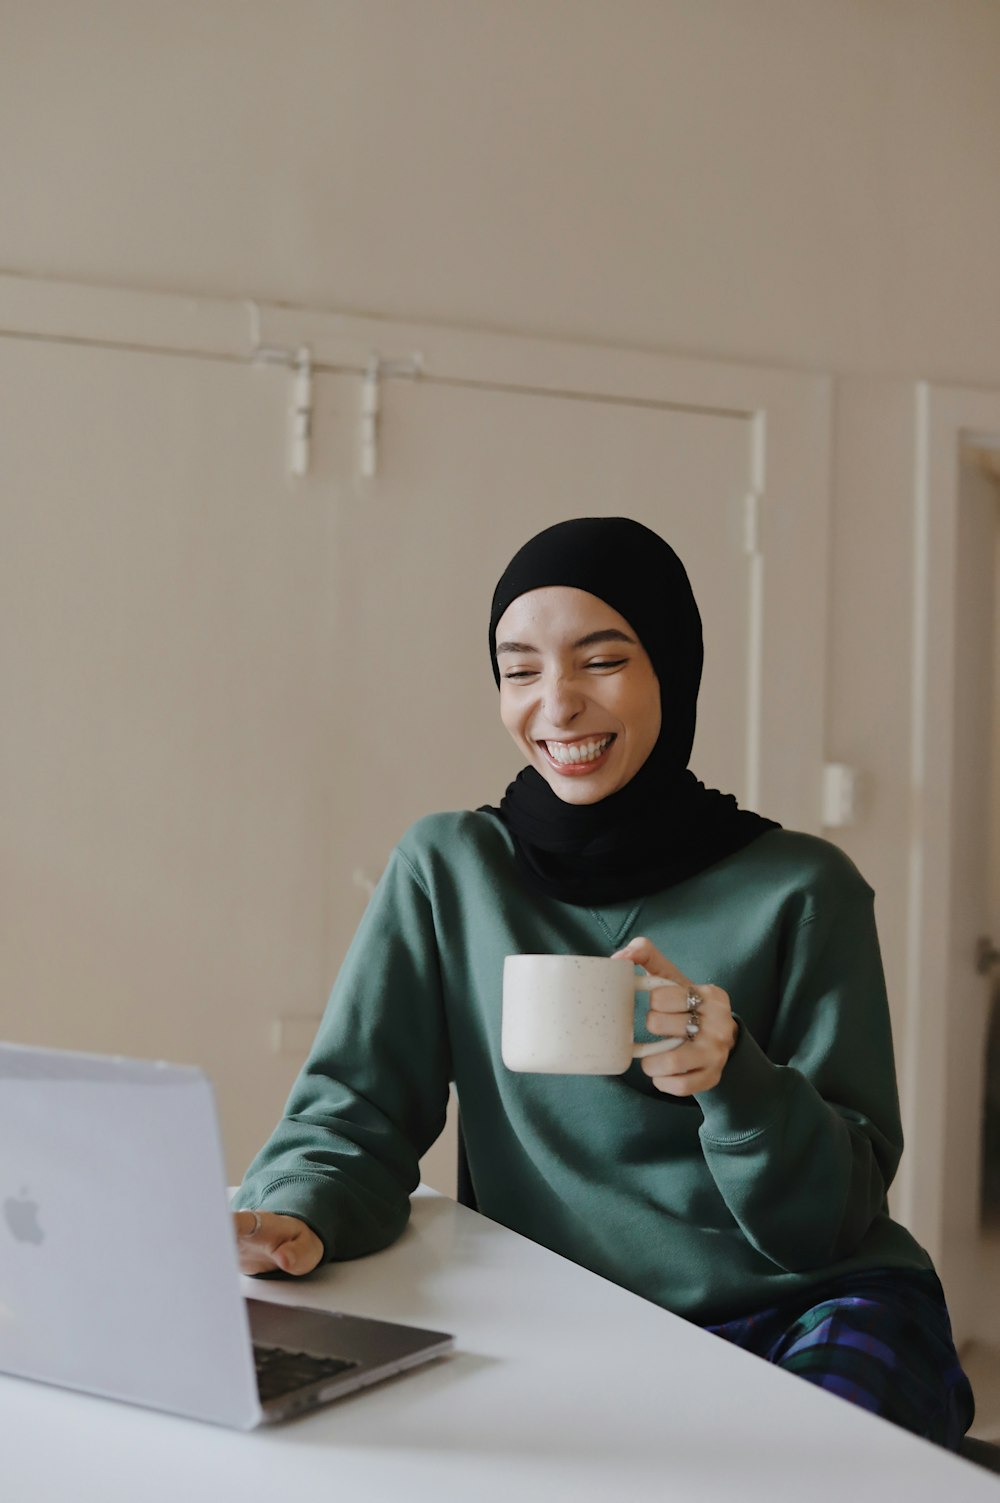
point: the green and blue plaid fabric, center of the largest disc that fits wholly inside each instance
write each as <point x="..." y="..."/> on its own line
<point x="880" y="1339"/>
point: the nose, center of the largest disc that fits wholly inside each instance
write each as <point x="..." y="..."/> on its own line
<point x="561" y="703"/>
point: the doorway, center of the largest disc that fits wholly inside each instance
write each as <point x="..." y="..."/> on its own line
<point x="974" y="1085"/>
<point x="981" y="478"/>
<point x="952" y="907"/>
<point x="979" y="524"/>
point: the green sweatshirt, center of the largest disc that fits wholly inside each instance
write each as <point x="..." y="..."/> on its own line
<point x="712" y="1206"/>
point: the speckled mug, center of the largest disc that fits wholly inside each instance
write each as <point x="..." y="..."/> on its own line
<point x="573" y="1014"/>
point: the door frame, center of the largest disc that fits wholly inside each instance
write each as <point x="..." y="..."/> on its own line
<point x="946" y="419"/>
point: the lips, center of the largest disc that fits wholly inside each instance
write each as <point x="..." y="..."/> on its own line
<point x="582" y="755"/>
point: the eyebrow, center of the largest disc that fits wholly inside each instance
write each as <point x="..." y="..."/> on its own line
<point x="609" y="634"/>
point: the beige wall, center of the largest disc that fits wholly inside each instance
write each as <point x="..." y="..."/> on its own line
<point x="869" y="707"/>
<point x="800" y="181"/>
<point x="807" y="182"/>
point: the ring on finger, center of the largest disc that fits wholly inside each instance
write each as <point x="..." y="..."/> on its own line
<point x="256" y="1224"/>
<point x="692" y="1027"/>
<point x="693" y="1000"/>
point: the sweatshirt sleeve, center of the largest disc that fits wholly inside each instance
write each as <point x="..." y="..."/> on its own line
<point x="803" y="1140"/>
<point x="373" y="1093"/>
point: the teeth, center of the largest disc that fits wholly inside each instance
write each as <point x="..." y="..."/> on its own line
<point x="581" y="751"/>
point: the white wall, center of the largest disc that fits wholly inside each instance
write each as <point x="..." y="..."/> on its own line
<point x="809" y="182"/>
<point x="869" y="707"/>
<point x="800" y="181"/>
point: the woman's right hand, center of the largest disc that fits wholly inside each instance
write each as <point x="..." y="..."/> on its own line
<point x="267" y="1241"/>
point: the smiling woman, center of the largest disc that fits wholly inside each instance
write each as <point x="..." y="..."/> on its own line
<point x="635" y="819"/>
<point x="587" y="719"/>
<point x="738" y="1177"/>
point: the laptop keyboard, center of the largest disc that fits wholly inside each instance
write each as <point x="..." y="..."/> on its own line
<point x="280" y="1371"/>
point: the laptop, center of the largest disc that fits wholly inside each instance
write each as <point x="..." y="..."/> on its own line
<point x="118" y="1265"/>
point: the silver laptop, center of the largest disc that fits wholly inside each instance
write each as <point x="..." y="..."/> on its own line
<point x="118" y="1264"/>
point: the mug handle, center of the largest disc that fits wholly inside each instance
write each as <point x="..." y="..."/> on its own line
<point x="642" y="1051"/>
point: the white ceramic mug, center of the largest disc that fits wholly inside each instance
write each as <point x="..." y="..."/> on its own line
<point x="573" y="1014"/>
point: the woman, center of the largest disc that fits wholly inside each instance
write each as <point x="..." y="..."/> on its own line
<point x="740" y="1179"/>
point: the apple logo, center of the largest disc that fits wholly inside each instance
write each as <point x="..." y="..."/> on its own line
<point x="22" y="1218"/>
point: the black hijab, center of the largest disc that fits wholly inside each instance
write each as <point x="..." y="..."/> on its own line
<point x="663" y="825"/>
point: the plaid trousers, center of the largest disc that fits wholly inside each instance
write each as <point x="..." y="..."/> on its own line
<point x="881" y="1339"/>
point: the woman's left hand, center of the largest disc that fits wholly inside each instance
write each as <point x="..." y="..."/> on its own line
<point x="696" y="1065"/>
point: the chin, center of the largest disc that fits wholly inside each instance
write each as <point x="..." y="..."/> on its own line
<point x="575" y="793"/>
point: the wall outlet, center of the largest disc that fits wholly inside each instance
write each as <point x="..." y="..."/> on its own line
<point x="841" y="795"/>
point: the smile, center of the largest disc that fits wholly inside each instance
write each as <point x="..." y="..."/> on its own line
<point x="584" y="755"/>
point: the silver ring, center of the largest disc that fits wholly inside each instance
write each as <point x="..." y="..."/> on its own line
<point x="256" y="1225"/>
<point x="692" y="1027"/>
<point x="693" y="1000"/>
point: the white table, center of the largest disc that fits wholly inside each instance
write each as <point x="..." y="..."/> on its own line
<point x="562" y="1387"/>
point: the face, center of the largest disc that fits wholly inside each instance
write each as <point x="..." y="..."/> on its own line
<point x="577" y="691"/>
